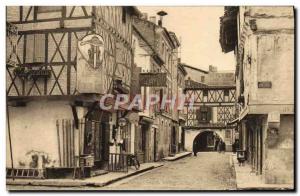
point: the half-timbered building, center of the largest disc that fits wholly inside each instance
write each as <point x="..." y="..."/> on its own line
<point x="213" y="95"/>
<point x="60" y="61"/>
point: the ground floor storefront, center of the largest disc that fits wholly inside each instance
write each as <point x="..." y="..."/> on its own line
<point x="157" y="138"/>
<point x="269" y="146"/>
<point x="67" y="139"/>
<point x="207" y="171"/>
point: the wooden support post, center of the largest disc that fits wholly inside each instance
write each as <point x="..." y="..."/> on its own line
<point x="64" y="142"/>
<point x="58" y="141"/>
<point x="10" y="145"/>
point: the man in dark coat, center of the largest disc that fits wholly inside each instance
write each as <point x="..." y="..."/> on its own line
<point x="195" y="148"/>
<point x="217" y="143"/>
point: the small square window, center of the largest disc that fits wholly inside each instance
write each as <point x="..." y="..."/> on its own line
<point x="202" y="78"/>
<point x="205" y="92"/>
<point x="226" y="92"/>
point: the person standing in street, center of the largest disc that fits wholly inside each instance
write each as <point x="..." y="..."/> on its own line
<point x="217" y="143"/>
<point x="195" y="148"/>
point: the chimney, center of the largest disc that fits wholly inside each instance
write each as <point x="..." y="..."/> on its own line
<point x="161" y="15"/>
<point x="145" y="16"/>
<point x="152" y="19"/>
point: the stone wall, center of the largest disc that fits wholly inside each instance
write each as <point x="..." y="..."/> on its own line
<point x="279" y="155"/>
<point x="33" y="129"/>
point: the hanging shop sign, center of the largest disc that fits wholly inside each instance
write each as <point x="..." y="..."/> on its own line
<point x="153" y="79"/>
<point x="264" y="84"/>
<point x="90" y="60"/>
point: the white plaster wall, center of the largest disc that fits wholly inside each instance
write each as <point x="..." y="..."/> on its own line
<point x="34" y="128"/>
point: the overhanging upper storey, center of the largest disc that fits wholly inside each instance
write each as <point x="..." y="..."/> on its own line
<point x="228" y="28"/>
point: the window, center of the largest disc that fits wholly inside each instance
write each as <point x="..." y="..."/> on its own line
<point x="35" y="48"/>
<point x="204" y="114"/>
<point x="162" y="49"/>
<point x="47" y="9"/>
<point x="202" y="78"/>
<point x="205" y="92"/>
<point x="228" y="134"/>
<point x="226" y="92"/>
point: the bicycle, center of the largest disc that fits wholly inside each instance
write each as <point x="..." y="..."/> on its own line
<point x="133" y="161"/>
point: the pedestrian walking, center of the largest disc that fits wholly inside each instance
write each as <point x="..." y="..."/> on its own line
<point x="223" y="147"/>
<point x="217" y="143"/>
<point x="220" y="146"/>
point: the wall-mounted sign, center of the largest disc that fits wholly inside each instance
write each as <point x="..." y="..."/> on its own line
<point x="274" y="116"/>
<point x="264" y="84"/>
<point x="90" y="53"/>
<point x="153" y="79"/>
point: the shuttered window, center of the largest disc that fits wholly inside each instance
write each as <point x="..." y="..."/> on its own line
<point x="35" y="48"/>
<point x="204" y="114"/>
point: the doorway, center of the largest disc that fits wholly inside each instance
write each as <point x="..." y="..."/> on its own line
<point x="173" y="140"/>
<point x="154" y="145"/>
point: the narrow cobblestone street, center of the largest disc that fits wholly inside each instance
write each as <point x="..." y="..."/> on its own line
<point x="207" y="171"/>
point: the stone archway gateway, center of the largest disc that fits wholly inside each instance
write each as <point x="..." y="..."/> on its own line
<point x="205" y="141"/>
<point x="193" y="135"/>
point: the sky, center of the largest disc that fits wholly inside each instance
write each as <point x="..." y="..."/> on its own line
<point x="198" y="29"/>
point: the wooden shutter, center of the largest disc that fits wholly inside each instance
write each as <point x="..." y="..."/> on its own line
<point x="209" y="114"/>
<point x="39" y="48"/>
<point x="29" y="48"/>
<point x="35" y="48"/>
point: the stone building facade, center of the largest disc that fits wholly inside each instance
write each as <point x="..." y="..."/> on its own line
<point x="156" y="49"/>
<point x="262" y="39"/>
